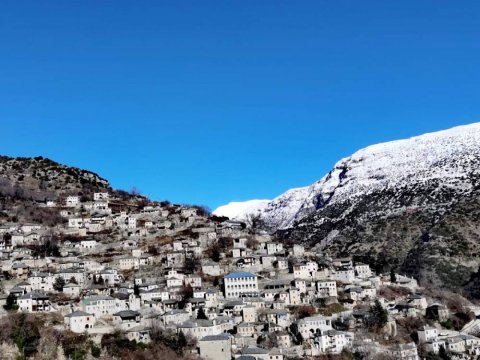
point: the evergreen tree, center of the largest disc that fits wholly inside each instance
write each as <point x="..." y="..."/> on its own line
<point x="181" y="342"/>
<point x="393" y="276"/>
<point x="59" y="283"/>
<point x="297" y="336"/>
<point x="378" y="317"/>
<point x="187" y="292"/>
<point x="136" y="290"/>
<point x="100" y="280"/>
<point x="11" y="302"/>
<point x="26" y="335"/>
<point x="442" y="353"/>
<point x="215" y="255"/>
<point x="201" y="314"/>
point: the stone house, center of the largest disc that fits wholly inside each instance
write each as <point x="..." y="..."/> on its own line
<point x="215" y="347"/>
<point x="33" y="302"/>
<point x="79" y="321"/>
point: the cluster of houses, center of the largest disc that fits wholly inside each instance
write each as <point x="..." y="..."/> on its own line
<point x="240" y="295"/>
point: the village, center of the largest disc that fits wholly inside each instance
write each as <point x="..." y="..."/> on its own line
<point x="227" y="288"/>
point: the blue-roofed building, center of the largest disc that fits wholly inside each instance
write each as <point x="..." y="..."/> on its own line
<point x="240" y="274"/>
<point x="240" y="284"/>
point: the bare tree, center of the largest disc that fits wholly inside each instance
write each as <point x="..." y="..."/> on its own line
<point x="254" y="223"/>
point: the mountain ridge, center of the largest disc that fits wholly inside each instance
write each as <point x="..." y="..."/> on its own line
<point x="410" y="204"/>
<point x="307" y="199"/>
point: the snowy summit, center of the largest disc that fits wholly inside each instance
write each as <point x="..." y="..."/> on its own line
<point x="445" y="155"/>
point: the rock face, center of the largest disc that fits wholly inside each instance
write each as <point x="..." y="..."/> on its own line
<point x="412" y="204"/>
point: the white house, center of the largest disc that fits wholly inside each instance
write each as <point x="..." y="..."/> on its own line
<point x="131" y="222"/>
<point x="140" y="334"/>
<point x="216" y="347"/>
<point x="363" y="271"/>
<point x="186" y="213"/>
<point x="175" y="317"/>
<point x="33" y="302"/>
<point x="427" y="333"/>
<point x="79" y="321"/>
<point x="100" y="206"/>
<point x="298" y="250"/>
<point x="194" y="281"/>
<point x="346" y="275"/>
<point x="212" y="269"/>
<point x="435" y="345"/>
<point x="174" y="282"/>
<point x="239" y="284"/>
<point x="327" y="288"/>
<point x="41" y="281"/>
<point x="331" y="342"/>
<point x="404" y="352"/>
<point x="76" y="273"/>
<point x="88" y="244"/>
<point x="174" y="273"/>
<point x="156" y="293"/>
<point x="240" y="243"/>
<point x="273" y="248"/>
<point x="128" y="263"/>
<point x="109" y="276"/>
<point x="311" y="325"/>
<point x="126" y="319"/>
<point x="28" y="228"/>
<point x="72" y="201"/>
<point x="199" y="328"/>
<point x="99" y="305"/>
<point x="100" y="196"/>
<point x="72" y="290"/>
<point x="305" y="270"/>
<point x="75" y="223"/>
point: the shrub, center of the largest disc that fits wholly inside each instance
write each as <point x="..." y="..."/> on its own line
<point x="95" y="350"/>
<point x="305" y="311"/>
<point x="26" y="334"/>
<point x="329" y="310"/>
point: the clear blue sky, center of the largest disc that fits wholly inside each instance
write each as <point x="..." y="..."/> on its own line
<point x="211" y="101"/>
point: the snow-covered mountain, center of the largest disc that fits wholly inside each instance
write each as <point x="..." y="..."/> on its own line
<point x="445" y="155"/>
<point x="412" y="204"/>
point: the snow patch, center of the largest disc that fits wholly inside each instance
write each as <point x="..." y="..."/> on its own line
<point x="240" y="210"/>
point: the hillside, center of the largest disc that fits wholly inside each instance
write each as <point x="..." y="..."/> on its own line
<point x="27" y="182"/>
<point x="41" y="177"/>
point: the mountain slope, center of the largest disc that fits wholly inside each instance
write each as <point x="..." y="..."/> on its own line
<point x="412" y="204"/>
<point x="40" y="175"/>
<point x="448" y="156"/>
<point x="445" y="155"/>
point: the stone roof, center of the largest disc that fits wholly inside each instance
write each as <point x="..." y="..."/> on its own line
<point x="78" y="314"/>
<point x="220" y="337"/>
<point x="253" y="351"/>
<point x="127" y="313"/>
<point x="34" y="295"/>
